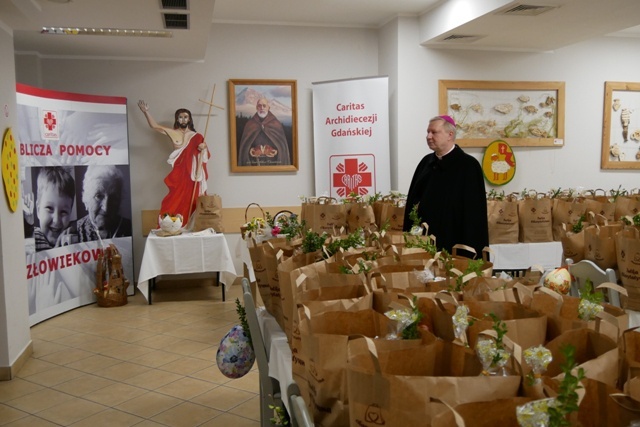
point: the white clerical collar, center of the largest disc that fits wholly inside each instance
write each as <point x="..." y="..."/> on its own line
<point x="450" y="150"/>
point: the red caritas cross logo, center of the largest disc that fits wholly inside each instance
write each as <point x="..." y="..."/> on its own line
<point x="50" y="126"/>
<point x="50" y="121"/>
<point x="351" y="176"/>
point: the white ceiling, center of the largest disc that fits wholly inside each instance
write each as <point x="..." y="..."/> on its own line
<point x="570" y="21"/>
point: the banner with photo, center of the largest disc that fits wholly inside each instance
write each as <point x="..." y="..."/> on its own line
<point x="351" y="137"/>
<point x="76" y="194"/>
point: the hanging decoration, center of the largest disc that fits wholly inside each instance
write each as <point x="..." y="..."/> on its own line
<point x="499" y="163"/>
<point x="10" y="170"/>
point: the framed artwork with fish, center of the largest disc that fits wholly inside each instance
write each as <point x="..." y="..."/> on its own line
<point x="263" y="125"/>
<point x="621" y="126"/>
<point x="524" y="114"/>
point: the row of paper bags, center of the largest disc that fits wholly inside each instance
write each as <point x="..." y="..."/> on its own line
<point x="347" y="380"/>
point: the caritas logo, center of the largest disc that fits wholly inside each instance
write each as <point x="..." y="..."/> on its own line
<point x="352" y="174"/>
<point x="50" y="128"/>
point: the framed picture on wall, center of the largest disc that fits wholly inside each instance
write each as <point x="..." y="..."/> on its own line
<point x="621" y="126"/>
<point x="263" y="125"/>
<point x="524" y="114"/>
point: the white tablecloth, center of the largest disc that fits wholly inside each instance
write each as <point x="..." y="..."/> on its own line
<point x="520" y="256"/>
<point x="200" y="252"/>
<point x="242" y="252"/>
<point x="279" y="352"/>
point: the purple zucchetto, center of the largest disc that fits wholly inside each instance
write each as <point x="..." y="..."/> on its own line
<point x="448" y="119"/>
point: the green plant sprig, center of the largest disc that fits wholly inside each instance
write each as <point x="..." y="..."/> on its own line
<point x="411" y="332"/>
<point x="242" y="315"/>
<point x="501" y="330"/>
<point x="590" y="294"/>
<point x="567" y="399"/>
<point x="578" y="226"/>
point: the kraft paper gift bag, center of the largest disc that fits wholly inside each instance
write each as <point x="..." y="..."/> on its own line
<point x="260" y="272"/>
<point x="502" y="215"/>
<point x="287" y="283"/>
<point x="600" y="244"/>
<point x="565" y="211"/>
<point x="599" y="203"/>
<point x="627" y="205"/>
<point x="628" y="261"/>
<point x="208" y="213"/>
<point x="562" y="314"/>
<point x="499" y="412"/>
<point x="572" y="243"/>
<point x="324" y="341"/>
<point x="525" y="326"/>
<point x="395" y="387"/>
<point x="596" y="353"/>
<point x="535" y="219"/>
<point x="360" y="216"/>
<point x="325" y="214"/>
<point x="391" y="216"/>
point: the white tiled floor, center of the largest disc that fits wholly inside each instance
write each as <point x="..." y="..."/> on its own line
<point x="135" y="365"/>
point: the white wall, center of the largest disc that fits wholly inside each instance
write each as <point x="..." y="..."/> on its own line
<point x="235" y="52"/>
<point x="14" y="311"/>
<point x="318" y="54"/>
<point x="583" y="67"/>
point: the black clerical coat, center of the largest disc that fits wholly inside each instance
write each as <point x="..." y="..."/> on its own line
<point x="452" y="200"/>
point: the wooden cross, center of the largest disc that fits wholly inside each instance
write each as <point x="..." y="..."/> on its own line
<point x="211" y="105"/>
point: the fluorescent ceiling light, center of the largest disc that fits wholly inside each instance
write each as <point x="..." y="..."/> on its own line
<point x="76" y="31"/>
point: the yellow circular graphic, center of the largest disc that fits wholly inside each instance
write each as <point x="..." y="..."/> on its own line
<point x="10" y="170"/>
<point x="499" y="163"/>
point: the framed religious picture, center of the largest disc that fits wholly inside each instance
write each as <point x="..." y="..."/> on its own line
<point x="621" y="128"/>
<point x="263" y="125"/>
<point x="524" y="114"/>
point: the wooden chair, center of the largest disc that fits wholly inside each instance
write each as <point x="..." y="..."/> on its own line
<point x="586" y="269"/>
<point x="269" y="387"/>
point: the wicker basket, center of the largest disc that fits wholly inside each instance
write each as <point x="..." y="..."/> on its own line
<point x="113" y="299"/>
<point x="243" y="229"/>
<point x="111" y="288"/>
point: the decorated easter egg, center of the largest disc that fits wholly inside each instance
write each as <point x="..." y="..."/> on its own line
<point x="558" y="280"/>
<point x="235" y="355"/>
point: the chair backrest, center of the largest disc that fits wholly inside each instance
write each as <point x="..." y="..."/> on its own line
<point x="300" y="416"/>
<point x="254" y="327"/>
<point x="586" y="269"/>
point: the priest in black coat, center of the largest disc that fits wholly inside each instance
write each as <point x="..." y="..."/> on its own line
<point x="448" y="186"/>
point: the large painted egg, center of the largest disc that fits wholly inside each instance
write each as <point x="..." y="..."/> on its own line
<point x="558" y="280"/>
<point x="235" y="355"/>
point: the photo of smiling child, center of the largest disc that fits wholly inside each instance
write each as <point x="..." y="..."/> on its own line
<point x="54" y="208"/>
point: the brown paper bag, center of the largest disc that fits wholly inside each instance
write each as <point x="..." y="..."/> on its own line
<point x="499" y="412"/>
<point x="628" y="205"/>
<point x="535" y="220"/>
<point x="208" y="213"/>
<point x="393" y="214"/>
<point x="395" y="387"/>
<point x="502" y="217"/>
<point x="600" y="245"/>
<point x="572" y="244"/>
<point x="324" y="214"/>
<point x="565" y="211"/>
<point x="599" y="203"/>
<point x="360" y="215"/>
<point x="324" y="341"/>
<point x="628" y="261"/>
<point x="562" y="315"/>
<point x="596" y="353"/>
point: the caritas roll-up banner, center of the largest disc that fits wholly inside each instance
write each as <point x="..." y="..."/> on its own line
<point x="351" y="137"/>
<point x="76" y="194"/>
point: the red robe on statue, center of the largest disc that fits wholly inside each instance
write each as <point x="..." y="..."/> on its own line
<point x="182" y="179"/>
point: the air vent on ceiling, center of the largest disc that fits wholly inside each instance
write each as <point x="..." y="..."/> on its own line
<point x="460" y="38"/>
<point x="526" y="10"/>
<point x="178" y="21"/>
<point x="174" y="4"/>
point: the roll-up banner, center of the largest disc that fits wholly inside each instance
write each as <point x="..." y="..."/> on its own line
<point x="351" y="137"/>
<point x="76" y="194"/>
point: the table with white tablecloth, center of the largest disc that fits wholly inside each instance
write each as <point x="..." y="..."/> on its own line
<point x="520" y="256"/>
<point x="199" y="252"/>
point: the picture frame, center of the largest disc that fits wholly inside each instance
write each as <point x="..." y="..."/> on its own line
<point x="621" y="126"/>
<point x="523" y="114"/>
<point x="268" y="144"/>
